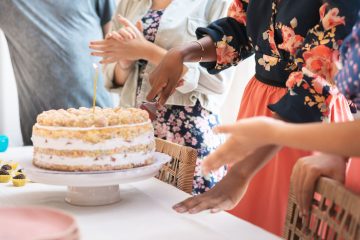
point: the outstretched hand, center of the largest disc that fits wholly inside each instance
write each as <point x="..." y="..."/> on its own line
<point x="224" y="196"/>
<point x="246" y="136"/>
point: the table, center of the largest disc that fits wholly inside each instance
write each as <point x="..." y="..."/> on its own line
<point x="143" y="213"/>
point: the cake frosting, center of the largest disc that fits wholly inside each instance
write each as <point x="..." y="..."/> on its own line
<point x="87" y="140"/>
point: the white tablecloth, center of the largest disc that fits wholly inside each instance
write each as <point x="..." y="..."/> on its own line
<point x="143" y="213"/>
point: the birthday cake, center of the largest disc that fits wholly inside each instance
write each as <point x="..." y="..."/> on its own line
<point x="87" y="140"/>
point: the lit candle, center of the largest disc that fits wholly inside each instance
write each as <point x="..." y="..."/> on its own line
<point x="96" y="76"/>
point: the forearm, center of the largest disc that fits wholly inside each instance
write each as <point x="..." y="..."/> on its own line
<point x="106" y="28"/>
<point x="121" y="74"/>
<point x="335" y="138"/>
<point x="248" y="167"/>
<point x="193" y="52"/>
<point x="153" y="53"/>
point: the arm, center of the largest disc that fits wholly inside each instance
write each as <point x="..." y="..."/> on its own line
<point x="247" y="135"/>
<point x="221" y="45"/>
<point x="230" y="190"/>
<point x="106" y="28"/>
<point x="311" y="85"/>
<point x="335" y="138"/>
<point x="150" y="52"/>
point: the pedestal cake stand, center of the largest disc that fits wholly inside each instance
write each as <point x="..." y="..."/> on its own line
<point x="94" y="188"/>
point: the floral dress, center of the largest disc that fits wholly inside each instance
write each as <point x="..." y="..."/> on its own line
<point x="188" y="126"/>
<point x="348" y="78"/>
<point x="295" y="44"/>
<point x="348" y="81"/>
<point x="294" y="48"/>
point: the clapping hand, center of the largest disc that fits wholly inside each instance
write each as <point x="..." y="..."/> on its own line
<point x="124" y="46"/>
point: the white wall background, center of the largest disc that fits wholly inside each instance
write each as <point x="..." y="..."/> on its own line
<point x="9" y="112"/>
<point x="9" y="106"/>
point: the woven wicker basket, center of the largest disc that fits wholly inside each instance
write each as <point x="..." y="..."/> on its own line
<point x="335" y="214"/>
<point x="179" y="172"/>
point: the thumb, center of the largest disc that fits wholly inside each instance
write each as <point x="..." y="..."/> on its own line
<point x="139" y="26"/>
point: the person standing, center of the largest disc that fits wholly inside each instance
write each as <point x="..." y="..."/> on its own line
<point x="190" y="114"/>
<point x="295" y="44"/>
<point x="48" y="44"/>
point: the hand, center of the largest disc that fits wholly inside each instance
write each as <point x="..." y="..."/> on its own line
<point x="166" y="77"/>
<point x="246" y="136"/>
<point x="308" y="170"/>
<point x="230" y="190"/>
<point x="126" y="44"/>
<point x="119" y="36"/>
<point x="224" y="196"/>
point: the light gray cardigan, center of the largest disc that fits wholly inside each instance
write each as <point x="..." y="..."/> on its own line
<point x="177" y="26"/>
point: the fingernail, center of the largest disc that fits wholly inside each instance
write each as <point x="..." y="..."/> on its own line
<point x="214" y="210"/>
<point x="193" y="211"/>
<point x="180" y="209"/>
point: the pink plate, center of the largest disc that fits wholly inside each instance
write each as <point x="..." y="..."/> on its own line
<point x="36" y="223"/>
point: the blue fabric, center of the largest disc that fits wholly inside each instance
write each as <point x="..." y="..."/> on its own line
<point x="348" y="79"/>
<point x="48" y="42"/>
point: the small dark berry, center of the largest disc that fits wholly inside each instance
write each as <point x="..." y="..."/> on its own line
<point x="20" y="176"/>
<point x="4" y="172"/>
<point x="6" y="167"/>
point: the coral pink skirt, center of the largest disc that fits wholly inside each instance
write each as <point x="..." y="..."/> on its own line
<point x="265" y="201"/>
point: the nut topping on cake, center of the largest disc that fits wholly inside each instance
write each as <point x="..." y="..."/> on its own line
<point x="84" y="117"/>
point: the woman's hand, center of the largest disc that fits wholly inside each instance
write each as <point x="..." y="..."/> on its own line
<point x="166" y="77"/>
<point x="246" y="136"/>
<point x="230" y="190"/>
<point x="308" y="170"/>
<point x="224" y="196"/>
<point x="124" y="64"/>
<point x="127" y="44"/>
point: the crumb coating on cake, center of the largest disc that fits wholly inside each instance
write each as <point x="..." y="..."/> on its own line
<point x="95" y="135"/>
<point x="85" y="117"/>
<point x="96" y="153"/>
<point x="82" y="168"/>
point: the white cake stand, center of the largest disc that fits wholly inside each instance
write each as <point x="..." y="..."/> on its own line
<point x="94" y="188"/>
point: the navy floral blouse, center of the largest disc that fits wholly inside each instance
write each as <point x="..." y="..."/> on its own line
<point x="348" y="78"/>
<point x="295" y="44"/>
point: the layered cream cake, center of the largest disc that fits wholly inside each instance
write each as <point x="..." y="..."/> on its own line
<point x="83" y="140"/>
